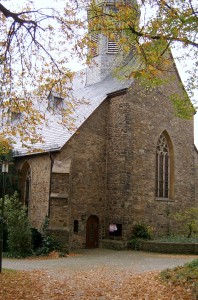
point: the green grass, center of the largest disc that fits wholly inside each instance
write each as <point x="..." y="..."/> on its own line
<point x="8" y="271"/>
<point x="177" y="239"/>
<point x="186" y="276"/>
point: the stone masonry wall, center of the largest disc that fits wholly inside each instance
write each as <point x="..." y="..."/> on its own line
<point x="135" y="123"/>
<point x="87" y="180"/>
<point x="40" y="182"/>
<point x="59" y="183"/>
<point x="119" y="162"/>
<point x="58" y="206"/>
<point x="59" y="200"/>
<point x="107" y="169"/>
<point x="154" y="113"/>
<point x="196" y="176"/>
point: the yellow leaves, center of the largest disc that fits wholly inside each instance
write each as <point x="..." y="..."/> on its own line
<point x="50" y="27"/>
<point x="182" y="105"/>
<point x="112" y="19"/>
<point x="147" y="73"/>
<point x="5" y="145"/>
<point x="125" y="48"/>
<point x="41" y="64"/>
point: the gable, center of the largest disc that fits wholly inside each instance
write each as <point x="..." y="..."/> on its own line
<point x="54" y="134"/>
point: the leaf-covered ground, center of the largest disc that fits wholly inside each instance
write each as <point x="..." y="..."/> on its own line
<point x="186" y="276"/>
<point x="98" y="283"/>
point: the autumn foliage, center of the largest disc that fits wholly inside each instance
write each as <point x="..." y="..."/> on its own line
<point x="37" y="43"/>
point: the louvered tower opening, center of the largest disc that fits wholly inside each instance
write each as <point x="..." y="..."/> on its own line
<point x="94" y="46"/>
<point x="112" y="45"/>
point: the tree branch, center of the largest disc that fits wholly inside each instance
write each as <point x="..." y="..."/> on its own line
<point x="8" y="14"/>
<point x="165" y="37"/>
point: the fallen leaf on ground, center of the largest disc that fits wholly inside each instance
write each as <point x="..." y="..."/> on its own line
<point x="98" y="283"/>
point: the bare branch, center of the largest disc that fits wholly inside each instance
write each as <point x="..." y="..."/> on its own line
<point x="8" y="14"/>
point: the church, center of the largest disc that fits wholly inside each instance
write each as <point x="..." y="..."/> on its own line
<point x="128" y="160"/>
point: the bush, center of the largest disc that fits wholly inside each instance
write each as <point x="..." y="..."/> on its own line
<point x="189" y="220"/>
<point x="185" y="276"/>
<point x="140" y="232"/>
<point x="19" y="238"/>
<point x="49" y="243"/>
<point x="134" y="243"/>
<point x="5" y="238"/>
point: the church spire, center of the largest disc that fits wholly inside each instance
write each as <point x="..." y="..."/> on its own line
<point x="105" y="52"/>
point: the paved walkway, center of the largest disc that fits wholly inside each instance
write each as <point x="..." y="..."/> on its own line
<point x="133" y="261"/>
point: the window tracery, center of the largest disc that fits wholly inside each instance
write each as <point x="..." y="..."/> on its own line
<point x="162" y="168"/>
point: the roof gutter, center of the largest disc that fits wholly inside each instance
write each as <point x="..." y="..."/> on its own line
<point x="117" y="93"/>
<point x="36" y="153"/>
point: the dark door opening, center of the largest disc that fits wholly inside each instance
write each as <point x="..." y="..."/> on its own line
<point x="92" y="232"/>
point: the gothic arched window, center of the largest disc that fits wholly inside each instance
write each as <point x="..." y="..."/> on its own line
<point x="164" y="176"/>
<point x="27" y="188"/>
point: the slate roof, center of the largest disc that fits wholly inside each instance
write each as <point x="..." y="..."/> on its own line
<point x="54" y="134"/>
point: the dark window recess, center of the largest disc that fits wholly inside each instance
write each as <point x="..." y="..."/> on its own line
<point x="115" y="229"/>
<point x="27" y="189"/>
<point x="76" y="226"/>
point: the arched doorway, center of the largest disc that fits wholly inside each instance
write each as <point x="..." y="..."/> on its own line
<point x="92" y="232"/>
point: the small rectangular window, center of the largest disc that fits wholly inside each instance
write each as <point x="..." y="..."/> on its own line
<point x="55" y="100"/>
<point x="76" y="223"/>
<point x="115" y="229"/>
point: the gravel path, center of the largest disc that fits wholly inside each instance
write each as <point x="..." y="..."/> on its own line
<point x="84" y="260"/>
<point x="97" y="274"/>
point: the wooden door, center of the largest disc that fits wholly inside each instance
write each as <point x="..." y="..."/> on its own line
<point x="92" y="232"/>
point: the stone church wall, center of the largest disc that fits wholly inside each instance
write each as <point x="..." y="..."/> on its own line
<point x="87" y="179"/>
<point x="196" y="176"/>
<point x="135" y="123"/>
<point x="40" y="166"/>
<point x="158" y="115"/>
<point x="119" y="163"/>
<point x="107" y="169"/>
<point x="74" y="193"/>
